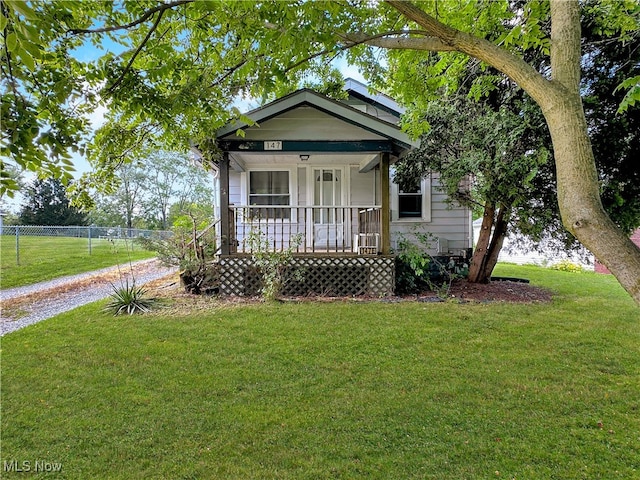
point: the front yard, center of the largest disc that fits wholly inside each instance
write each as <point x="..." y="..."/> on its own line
<point x="46" y="258"/>
<point x="342" y="389"/>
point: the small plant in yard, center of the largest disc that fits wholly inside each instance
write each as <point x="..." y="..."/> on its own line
<point x="416" y="270"/>
<point x="129" y="299"/>
<point x="273" y="265"/>
<point x="192" y="248"/>
<point x="567" y="266"/>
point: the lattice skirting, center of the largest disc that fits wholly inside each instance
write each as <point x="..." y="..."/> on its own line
<point x="314" y="275"/>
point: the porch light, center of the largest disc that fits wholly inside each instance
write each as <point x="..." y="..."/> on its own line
<point x="304" y="158"/>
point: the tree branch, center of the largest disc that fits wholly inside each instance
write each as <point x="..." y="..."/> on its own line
<point x="11" y="78"/>
<point x="384" y="40"/>
<point x="149" y="13"/>
<point x="135" y="54"/>
<point x="527" y="77"/>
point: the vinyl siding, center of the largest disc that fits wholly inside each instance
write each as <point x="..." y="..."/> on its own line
<point x="450" y="222"/>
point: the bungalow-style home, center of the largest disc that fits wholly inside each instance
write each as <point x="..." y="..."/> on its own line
<point x="315" y="175"/>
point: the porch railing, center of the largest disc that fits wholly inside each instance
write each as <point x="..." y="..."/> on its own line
<point x="331" y="229"/>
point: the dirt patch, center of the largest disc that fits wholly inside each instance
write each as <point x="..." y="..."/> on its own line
<point x="500" y="291"/>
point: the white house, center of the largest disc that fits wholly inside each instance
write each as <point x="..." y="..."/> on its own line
<point x="320" y="171"/>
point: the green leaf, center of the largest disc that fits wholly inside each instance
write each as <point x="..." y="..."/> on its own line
<point x="11" y="42"/>
<point x="632" y="96"/>
<point x="23" y="8"/>
<point x="27" y="59"/>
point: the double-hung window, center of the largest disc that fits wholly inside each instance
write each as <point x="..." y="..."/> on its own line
<point x="410" y="201"/>
<point x="270" y="188"/>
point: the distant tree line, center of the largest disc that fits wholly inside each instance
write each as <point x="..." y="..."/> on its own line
<point x="148" y="193"/>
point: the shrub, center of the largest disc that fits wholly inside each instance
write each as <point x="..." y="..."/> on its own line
<point x="273" y="265"/>
<point x="567" y="266"/>
<point x="129" y="299"/>
<point x="192" y="248"/>
<point x="413" y="264"/>
<point x="417" y="271"/>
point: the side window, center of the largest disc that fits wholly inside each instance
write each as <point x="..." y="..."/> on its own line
<point x="410" y="201"/>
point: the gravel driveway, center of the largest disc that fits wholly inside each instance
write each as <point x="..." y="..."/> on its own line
<point x="23" y="306"/>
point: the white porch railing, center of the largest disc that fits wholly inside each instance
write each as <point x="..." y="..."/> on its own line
<point x="333" y="229"/>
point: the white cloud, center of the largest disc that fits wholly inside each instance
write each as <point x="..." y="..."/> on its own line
<point x="97" y="117"/>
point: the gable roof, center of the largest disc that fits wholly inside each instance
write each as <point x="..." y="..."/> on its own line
<point x="336" y="109"/>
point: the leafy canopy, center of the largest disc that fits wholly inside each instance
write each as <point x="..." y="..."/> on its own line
<point x="169" y="72"/>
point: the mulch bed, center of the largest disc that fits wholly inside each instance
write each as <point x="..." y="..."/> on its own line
<point x="501" y="291"/>
<point x="461" y="291"/>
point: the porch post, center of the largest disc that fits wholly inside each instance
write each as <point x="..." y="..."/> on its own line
<point x="224" y="204"/>
<point x="385" y="216"/>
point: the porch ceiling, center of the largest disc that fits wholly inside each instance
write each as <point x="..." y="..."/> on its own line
<point x="253" y="159"/>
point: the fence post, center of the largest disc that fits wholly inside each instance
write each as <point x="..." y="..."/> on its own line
<point x="17" y="245"/>
<point x="89" y="227"/>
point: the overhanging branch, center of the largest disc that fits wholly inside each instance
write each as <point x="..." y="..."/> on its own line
<point x="135" y="54"/>
<point x="146" y="15"/>
<point x="399" y="40"/>
<point x="527" y="77"/>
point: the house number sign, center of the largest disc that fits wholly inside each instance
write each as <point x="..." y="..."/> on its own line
<point x="273" y="145"/>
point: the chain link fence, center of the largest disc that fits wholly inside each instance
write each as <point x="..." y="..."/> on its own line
<point x="21" y="239"/>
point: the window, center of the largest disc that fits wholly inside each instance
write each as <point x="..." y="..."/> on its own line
<point x="270" y="188"/>
<point x="410" y="201"/>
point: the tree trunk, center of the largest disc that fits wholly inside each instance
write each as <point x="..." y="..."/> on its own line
<point x="490" y="241"/>
<point x="497" y="240"/>
<point x="578" y="186"/>
<point x="476" y="269"/>
<point x="579" y="197"/>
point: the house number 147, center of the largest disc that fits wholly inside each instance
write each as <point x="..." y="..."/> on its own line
<point x="273" y="145"/>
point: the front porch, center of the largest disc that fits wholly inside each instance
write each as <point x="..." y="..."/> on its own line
<point x="306" y="229"/>
<point x="337" y="250"/>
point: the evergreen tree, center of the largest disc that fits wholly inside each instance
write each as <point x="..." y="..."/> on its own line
<point x="47" y="204"/>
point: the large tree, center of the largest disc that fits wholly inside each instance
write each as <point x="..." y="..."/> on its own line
<point x="495" y="146"/>
<point x="535" y="223"/>
<point x="559" y="98"/>
<point x="183" y="62"/>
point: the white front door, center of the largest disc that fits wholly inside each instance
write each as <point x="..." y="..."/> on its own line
<point x="329" y="216"/>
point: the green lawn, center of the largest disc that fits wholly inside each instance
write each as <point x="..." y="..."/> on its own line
<point x="45" y="258"/>
<point x="334" y="390"/>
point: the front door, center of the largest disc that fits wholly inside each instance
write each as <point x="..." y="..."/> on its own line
<point x="329" y="214"/>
